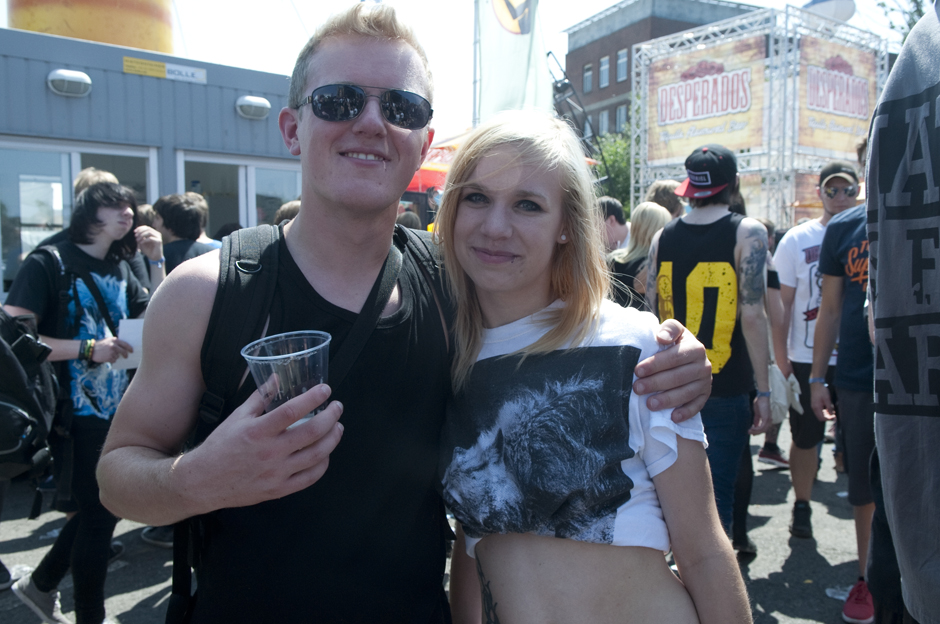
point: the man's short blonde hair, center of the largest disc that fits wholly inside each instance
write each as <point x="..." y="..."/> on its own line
<point x="378" y="21"/>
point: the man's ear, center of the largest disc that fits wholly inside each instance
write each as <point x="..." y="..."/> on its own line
<point x="288" y="120"/>
<point x="428" y="139"/>
<point x="819" y="192"/>
<point x="737" y="184"/>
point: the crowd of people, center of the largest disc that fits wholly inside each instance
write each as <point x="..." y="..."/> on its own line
<point x="546" y="393"/>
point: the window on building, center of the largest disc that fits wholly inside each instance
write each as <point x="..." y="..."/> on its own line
<point x="588" y="80"/>
<point x="603" y="123"/>
<point x="604" y="79"/>
<point x="621" y="65"/>
<point x="588" y="128"/>
<point x="621" y="118"/>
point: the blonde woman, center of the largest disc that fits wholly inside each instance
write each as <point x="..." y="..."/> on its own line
<point x="628" y="266"/>
<point x="568" y="489"/>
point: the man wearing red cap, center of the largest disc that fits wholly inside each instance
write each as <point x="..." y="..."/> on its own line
<point x="709" y="275"/>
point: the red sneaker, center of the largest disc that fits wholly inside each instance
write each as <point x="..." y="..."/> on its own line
<point x="772" y="456"/>
<point x="859" y="608"/>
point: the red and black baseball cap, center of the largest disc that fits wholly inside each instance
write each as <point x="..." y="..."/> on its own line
<point x="711" y="168"/>
<point x="838" y="169"/>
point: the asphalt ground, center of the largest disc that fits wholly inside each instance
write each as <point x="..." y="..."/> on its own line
<point x="787" y="580"/>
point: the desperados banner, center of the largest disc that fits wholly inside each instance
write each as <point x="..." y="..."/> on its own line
<point x="715" y="95"/>
<point x="836" y="96"/>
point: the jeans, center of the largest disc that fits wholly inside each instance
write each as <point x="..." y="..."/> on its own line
<point x="726" y="420"/>
<point x="84" y="543"/>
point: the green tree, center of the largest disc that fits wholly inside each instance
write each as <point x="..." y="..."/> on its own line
<point x="903" y="14"/>
<point x="615" y="152"/>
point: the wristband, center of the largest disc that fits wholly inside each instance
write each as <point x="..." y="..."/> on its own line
<point x="819" y="380"/>
<point x="85" y="349"/>
<point x="761" y="395"/>
<point x="157" y="263"/>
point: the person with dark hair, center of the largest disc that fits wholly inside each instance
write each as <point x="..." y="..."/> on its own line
<point x="409" y="220"/>
<point x="615" y="222"/>
<point x="179" y="220"/>
<point x="102" y="291"/>
<point x="147" y="263"/>
<point x="202" y="206"/>
<point x="707" y="269"/>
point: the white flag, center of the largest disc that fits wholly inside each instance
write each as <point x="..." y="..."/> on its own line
<point x="513" y="67"/>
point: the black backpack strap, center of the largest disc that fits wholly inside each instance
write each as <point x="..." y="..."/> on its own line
<point x="247" y="278"/>
<point x="367" y="318"/>
<point x="248" y="264"/>
<point x="64" y="284"/>
<point x="426" y="252"/>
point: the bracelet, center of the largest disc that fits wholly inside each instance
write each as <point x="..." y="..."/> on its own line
<point x="85" y="349"/>
<point x="157" y="263"/>
<point x="821" y="380"/>
<point x="761" y="395"/>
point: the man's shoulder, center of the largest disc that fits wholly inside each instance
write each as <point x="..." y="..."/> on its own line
<point x="849" y="218"/>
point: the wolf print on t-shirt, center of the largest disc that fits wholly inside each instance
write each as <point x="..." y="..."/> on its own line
<point x="537" y="446"/>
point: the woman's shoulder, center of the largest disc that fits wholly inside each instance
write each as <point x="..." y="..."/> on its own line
<point x="626" y="326"/>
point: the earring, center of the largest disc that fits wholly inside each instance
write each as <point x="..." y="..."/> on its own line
<point x="564" y="238"/>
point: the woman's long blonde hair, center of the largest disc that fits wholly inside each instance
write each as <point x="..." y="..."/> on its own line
<point x="645" y="220"/>
<point x="579" y="272"/>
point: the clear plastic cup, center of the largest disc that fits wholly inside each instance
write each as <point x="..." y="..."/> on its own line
<point x="285" y="366"/>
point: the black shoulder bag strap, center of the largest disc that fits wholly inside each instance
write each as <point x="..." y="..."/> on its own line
<point x="212" y="405"/>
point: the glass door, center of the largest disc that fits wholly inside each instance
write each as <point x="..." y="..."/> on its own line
<point x="35" y="202"/>
<point x="219" y="184"/>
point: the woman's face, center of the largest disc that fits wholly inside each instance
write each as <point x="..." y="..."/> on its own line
<point x="509" y="221"/>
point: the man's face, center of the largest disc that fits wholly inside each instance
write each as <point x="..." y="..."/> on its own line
<point x="365" y="163"/>
<point x="841" y="201"/>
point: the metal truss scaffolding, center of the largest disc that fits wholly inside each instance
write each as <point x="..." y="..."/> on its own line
<point x="779" y="157"/>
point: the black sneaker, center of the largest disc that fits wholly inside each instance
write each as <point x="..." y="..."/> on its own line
<point x="801" y="525"/>
<point x="158" y="536"/>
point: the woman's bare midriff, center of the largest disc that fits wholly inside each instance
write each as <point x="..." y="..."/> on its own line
<point x="542" y="580"/>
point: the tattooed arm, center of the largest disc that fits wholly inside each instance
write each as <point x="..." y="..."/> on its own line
<point x="751" y="259"/>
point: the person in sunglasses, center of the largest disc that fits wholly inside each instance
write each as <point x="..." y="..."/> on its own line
<point x="843" y="263"/>
<point x="327" y="521"/>
<point x="797" y="262"/>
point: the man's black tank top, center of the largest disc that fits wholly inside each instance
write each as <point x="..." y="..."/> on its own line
<point x="697" y="285"/>
<point x="366" y="542"/>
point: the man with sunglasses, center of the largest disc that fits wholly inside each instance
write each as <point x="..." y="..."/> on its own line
<point x="797" y="262"/>
<point x="843" y="263"/>
<point x="325" y="521"/>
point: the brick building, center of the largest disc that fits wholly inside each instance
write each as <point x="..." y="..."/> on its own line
<point x="600" y="51"/>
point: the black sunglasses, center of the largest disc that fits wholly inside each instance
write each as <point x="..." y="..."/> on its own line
<point x="342" y="102"/>
<point x="832" y="191"/>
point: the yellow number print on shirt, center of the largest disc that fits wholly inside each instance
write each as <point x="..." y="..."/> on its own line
<point x="718" y="275"/>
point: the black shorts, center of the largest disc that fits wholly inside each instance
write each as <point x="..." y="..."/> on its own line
<point x="857" y="418"/>
<point x="806" y="430"/>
